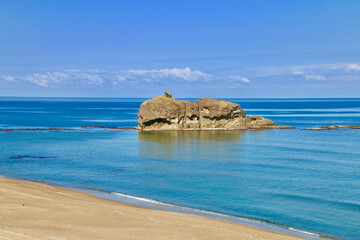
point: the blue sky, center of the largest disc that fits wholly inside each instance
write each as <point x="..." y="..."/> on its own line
<point x="202" y="48"/>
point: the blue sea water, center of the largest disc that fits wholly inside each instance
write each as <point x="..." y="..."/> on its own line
<point x="307" y="180"/>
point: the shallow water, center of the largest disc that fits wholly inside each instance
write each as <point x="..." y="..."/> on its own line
<point x="307" y="180"/>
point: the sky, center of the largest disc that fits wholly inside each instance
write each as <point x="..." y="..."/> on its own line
<point x="202" y="48"/>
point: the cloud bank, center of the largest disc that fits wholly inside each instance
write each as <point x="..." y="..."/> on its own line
<point x="315" y="72"/>
<point x="96" y="77"/>
<point x="235" y="78"/>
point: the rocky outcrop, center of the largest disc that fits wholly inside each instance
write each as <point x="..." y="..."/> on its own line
<point x="82" y="129"/>
<point x="166" y="113"/>
<point x="259" y="122"/>
<point x="333" y="127"/>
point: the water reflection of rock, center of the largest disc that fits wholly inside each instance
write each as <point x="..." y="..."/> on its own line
<point x="189" y="144"/>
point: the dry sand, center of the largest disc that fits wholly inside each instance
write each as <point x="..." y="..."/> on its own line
<point x="31" y="211"/>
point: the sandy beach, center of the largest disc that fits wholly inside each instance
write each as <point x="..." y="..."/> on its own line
<point x="32" y="210"/>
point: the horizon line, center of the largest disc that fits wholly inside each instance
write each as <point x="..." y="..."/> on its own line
<point x="190" y="97"/>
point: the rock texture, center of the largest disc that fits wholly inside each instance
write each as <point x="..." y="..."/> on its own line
<point x="165" y="113"/>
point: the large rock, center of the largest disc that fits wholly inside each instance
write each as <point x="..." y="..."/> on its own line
<point x="166" y="113"/>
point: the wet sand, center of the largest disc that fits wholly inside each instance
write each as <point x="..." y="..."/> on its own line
<point x="30" y="210"/>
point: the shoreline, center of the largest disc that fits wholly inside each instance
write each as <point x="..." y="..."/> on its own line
<point x="154" y="204"/>
<point x="249" y="228"/>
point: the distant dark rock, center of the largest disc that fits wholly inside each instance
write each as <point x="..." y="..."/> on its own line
<point x="17" y="157"/>
<point x="83" y="129"/>
<point x="283" y="127"/>
<point x="104" y="127"/>
<point x="332" y="127"/>
<point x="28" y="156"/>
<point x="5" y="130"/>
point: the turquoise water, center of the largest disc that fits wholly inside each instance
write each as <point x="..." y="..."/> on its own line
<point x="307" y="180"/>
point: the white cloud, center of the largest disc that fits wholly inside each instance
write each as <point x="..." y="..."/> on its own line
<point x="156" y="75"/>
<point x="297" y="72"/>
<point x="38" y="79"/>
<point x="52" y="78"/>
<point x="8" y="78"/>
<point x="89" y="78"/>
<point x="186" y="74"/>
<point x="355" y="67"/>
<point x="245" y="80"/>
<point x="120" y="78"/>
<point x="239" y="79"/>
<point x="315" y="77"/>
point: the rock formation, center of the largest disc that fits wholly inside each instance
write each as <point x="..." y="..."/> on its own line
<point x="167" y="113"/>
<point x="333" y="127"/>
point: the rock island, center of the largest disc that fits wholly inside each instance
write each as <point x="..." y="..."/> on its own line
<point x="168" y="113"/>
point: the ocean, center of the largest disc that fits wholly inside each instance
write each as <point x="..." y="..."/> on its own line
<point x="296" y="179"/>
